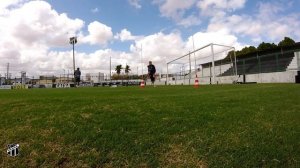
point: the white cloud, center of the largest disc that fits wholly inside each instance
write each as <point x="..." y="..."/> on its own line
<point x="158" y="48"/>
<point x="4" y="4"/>
<point x="176" y="10"/>
<point x="99" y="33"/>
<point x="40" y="25"/>
<point x="125" y="35"/>
<point x="28" y="30"/>
<point x="98" y="61"/>
<point x="46" y="28"/>
<point x="218" y="37"/>
<point x="201" y="39"/>
<point x="180" y="11"/>
<point x="189" y="21"/>
<point x="135" y="3"/>
<point x="210" y="7"/>
<point x="270" y="23"/>
<point x="161" y="48"/>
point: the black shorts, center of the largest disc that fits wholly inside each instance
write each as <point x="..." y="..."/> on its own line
<point x="77" y="79"/>
<point x="152" y="77"/>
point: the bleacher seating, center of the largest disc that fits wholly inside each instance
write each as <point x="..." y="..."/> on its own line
<point x="262" y="64"/>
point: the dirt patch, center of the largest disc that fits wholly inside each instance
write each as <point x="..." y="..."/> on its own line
<point x="86" y="115"/>
<point x="107" y="108"/>
<point x="178" y="156"/>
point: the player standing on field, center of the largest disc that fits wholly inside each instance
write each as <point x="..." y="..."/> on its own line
<point x="151" y="72"/>
<point x="77" y="75"/>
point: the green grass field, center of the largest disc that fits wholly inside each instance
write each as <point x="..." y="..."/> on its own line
<point x="174" y="126"/>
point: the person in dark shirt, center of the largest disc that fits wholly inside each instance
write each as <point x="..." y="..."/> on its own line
<point x="77" y="75"/>
<point x="151" y="72"/>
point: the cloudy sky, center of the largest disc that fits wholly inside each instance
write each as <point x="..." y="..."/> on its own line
<point x="35" y="34"/>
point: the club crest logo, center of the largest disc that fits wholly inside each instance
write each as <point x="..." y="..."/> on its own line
<point x="13" y="150"/>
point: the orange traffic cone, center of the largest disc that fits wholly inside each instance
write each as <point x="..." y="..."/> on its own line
<point x="196" y="85"/>
<point x="142" y="84"/>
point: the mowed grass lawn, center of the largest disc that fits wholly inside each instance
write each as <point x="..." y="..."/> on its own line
<point x="167" y="126"/>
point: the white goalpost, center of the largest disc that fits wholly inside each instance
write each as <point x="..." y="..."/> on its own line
<point x="213" y="64"/>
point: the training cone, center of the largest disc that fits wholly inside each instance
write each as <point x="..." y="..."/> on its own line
<point x="142" y="84"/>
<point x="196" y="85"/>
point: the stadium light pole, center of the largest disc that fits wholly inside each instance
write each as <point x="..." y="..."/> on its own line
<point x="73" y="41"/>
<point x="7" y="71"/>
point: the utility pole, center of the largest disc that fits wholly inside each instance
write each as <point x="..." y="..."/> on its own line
<point x="194" y="55"/>
<point x="7" y="72"/>
<point x="142" y="61"/>
<point x="68" y="77"/>
<point x="110" y="68"/>
<point x="64" y="78"/>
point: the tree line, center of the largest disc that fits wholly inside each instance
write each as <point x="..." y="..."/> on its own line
<point x="287" y="41"/>
<point x="126" y="76"/>
<point x="118" y="70"/>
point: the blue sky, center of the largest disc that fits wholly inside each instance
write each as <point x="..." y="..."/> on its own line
<point x="148" y="19"/>
<point x="37" y="32"/>
<point x="118" y="14"/>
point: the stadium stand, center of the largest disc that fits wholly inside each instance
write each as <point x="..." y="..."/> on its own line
<point x="274" y="60"/>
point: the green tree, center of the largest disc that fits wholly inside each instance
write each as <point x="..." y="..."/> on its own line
<point x="286" y="42"/>
<point x="265" y="46"/>
<point x="127" y="69"/>
<point x="245" y="50"/>
<point x="115" y="77"/>
<point x="118" y="69"/>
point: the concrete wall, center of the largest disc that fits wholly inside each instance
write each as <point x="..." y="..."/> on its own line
<point x="204" y="80"/>
<point x="275" y="77"/>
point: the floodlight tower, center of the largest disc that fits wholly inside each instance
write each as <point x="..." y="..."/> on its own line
<point x="73" y="41"/>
